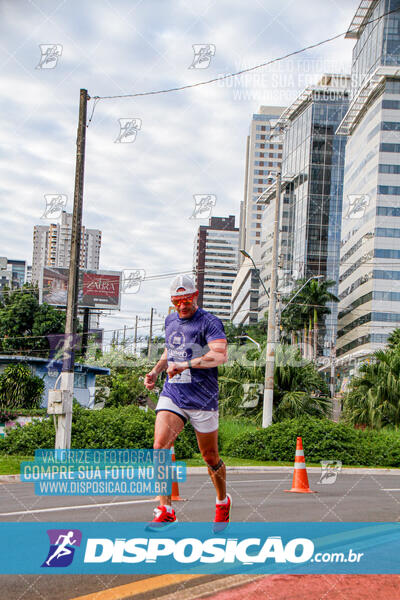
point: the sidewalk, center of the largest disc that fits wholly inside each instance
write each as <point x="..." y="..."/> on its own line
<point x="260" y="469"/>
<point x="314" y="587"/>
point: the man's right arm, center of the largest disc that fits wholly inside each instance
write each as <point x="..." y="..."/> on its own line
<point x="161" y="365"/>
<point x="151" y="377"/>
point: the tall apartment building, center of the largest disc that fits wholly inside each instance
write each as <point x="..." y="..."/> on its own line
<point x="215" y="260"/>
<point x="263" y="155"/>
<point x="369" y="287"/>
<point x="312" y="186"/>
<point x="52" y="243"/>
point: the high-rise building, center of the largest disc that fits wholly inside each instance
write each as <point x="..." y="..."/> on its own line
<point x="312" y="182"/>
<point x="52" y="244"/>
<point x="369" y="288"/>
<point x="12" y="272"/>
<point x="28" y="274"/>
<point x="263" y="156"/>
<point x="245" y="290"/>
<point x="215" y="260"/>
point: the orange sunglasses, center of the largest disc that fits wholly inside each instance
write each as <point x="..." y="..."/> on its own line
<point x="177" y="300"/>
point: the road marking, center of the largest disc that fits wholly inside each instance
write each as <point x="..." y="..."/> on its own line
<point x="212" y="587"/>
<point x="137" y="587"/>
<point x="74" y="507"/>
<point x="390" y="489"/>
<point x="232" y="481"/>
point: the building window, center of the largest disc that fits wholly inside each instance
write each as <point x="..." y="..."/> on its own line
<point x="80" y="380"/>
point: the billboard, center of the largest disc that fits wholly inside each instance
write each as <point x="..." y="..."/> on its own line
<point x="96" y="289"/>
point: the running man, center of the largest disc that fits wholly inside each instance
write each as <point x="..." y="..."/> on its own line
<point x="62" y="543"/>
<point x="195" y="345"/>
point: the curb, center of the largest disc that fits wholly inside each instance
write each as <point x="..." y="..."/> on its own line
<point x="270" y="469"/>
<point x="202" y="470"/>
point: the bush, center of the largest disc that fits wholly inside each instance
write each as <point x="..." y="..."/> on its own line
<point x="125" y="427"/>
<point x="322" y="440"/>
<point x="19" y="388"/>
<point x="9" y="415"/>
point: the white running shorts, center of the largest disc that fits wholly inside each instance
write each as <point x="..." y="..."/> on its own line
<point x="203" y="421"/>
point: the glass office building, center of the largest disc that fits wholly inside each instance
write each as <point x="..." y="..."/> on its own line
<point x="312" y="172"/>
<point x="369" y="288"/>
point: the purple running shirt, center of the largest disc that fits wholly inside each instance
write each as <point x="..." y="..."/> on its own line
<point x="185" y="339"/>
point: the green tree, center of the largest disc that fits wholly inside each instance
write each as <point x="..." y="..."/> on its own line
<point x="308" y="309"/>
<point x="24" y="323"/>
<point x="373" y="399"/>
<point x="298" y="387"/>
<point x="19" y="388"/>
<point x="394" y="340"/>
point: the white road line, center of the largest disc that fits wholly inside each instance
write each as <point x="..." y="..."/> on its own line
<point x="232" y="481"/>
<point x="74" y="507"/>
<point x="390" y="489"/>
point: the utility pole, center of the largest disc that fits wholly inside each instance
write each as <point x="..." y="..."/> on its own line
<point x="271" y="339"/>
<point x="124" y="337"/>
<point x="60" y="401"/>
<point x="135" y="342"/>
<point x="151" y="333"/>
<point x="333" y="370"/>
<point x="85" y="334"/>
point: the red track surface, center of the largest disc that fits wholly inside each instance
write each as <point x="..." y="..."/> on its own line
<point x="317" y="587"/>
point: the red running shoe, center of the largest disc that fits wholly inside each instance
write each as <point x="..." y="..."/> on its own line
<point x="222" y="514"/>
<point x="163" y="519"/>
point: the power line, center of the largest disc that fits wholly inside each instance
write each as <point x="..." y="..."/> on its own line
<point x="237" y="73"/>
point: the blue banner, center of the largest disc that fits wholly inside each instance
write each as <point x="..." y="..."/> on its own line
<point x="250" y="548"/>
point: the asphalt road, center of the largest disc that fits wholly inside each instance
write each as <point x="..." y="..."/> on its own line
<point x="256" y="497"/>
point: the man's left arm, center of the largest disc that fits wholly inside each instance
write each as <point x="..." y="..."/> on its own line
<point x="217" y="355"/>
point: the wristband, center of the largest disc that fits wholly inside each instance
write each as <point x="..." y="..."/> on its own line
<point x="189" y="364"/>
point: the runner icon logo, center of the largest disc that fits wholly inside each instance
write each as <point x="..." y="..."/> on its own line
<point x="61" y="551"/>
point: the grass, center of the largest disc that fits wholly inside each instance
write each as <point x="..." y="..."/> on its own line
<point x="10" y="464"/>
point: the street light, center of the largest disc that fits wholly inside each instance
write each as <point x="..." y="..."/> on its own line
<point x="247" y="255"/>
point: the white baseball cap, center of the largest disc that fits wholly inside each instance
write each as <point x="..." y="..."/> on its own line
<point x="185" y="282"/>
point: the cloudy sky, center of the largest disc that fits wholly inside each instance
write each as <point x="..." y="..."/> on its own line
<point x="140" y="194"/>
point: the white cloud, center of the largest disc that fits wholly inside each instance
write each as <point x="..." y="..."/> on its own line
<point x="141" y="195"/>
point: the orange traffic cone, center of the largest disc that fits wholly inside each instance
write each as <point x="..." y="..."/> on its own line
<point x="300" y="478"/>
<point x="175" y="488"/>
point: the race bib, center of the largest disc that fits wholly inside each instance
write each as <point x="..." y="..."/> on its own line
<point x="184" y="377"/>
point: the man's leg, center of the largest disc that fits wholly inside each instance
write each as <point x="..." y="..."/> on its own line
<point x="208" y="446"/>
<point x="167" y="428"/>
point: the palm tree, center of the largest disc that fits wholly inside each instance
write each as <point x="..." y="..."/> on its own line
<point x="307" y="311"/>
<point x="317" y="295"/>
<point x="374" y="396"/>
<point x="394" y="340"/>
